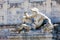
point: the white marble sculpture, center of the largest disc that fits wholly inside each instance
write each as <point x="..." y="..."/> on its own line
<point x="35" y="21"/>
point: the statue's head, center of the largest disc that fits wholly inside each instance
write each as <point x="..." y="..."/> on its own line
<point x="34" y="10"/>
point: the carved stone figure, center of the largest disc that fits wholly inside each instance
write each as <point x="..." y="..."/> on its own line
<point x="36" y="21"/>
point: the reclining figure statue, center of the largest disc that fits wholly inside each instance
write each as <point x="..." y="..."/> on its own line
<point x="36" y="21"/>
